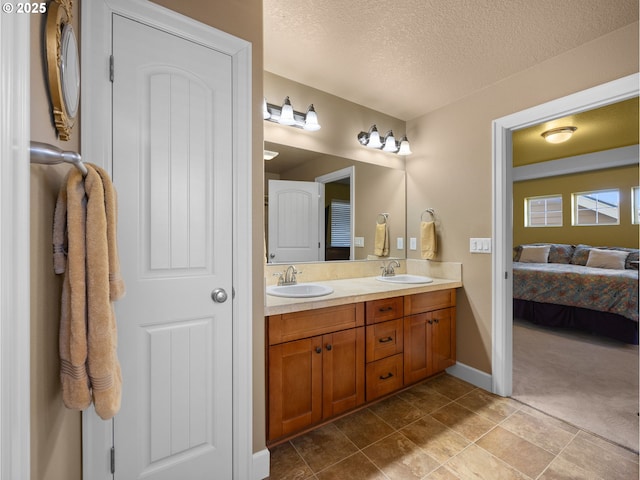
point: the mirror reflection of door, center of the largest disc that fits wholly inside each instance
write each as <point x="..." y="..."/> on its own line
<point x="339" y="212"/>
<point x="296" y="221"/>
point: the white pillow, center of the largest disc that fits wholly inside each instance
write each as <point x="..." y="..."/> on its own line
<point x="613" y="259"/>
<point x="535" y="253"/>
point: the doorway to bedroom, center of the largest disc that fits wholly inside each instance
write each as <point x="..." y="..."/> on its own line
<point x="570" y="362"/>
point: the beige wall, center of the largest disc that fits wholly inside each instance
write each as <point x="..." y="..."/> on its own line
<point x="56" y="436"/>
<point x="623" y="235"/>
<point x="450" y="169"/>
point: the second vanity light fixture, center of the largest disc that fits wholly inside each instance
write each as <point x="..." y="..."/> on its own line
<point x="286" y="115"/>
<point x="388" y="143"/>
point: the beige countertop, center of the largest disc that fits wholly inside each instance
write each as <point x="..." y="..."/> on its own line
<point x="353" y="290"/>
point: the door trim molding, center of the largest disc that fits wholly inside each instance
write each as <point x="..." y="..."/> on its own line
<point x="502" y="286"/>
<point x="15" y="54"/>
<point x="96" y="147"/>
<point x="350" y="173"/>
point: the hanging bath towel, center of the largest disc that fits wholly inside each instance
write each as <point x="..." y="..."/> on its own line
<point x="88" y="338"/>
<point x="428" y="244"/>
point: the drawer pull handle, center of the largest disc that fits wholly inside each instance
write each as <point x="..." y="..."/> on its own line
<point x="387" y="376"/>
<point x="385" y="340"/>
<point x="329" y="347"/>
<point x="385" y="309"/>
<point x="430" y="322"/>
<point x="318" y="350"/>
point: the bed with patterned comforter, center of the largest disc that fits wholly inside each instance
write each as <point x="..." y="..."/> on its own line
<point x="564" y="292"/>
<point x="604" y="290"/>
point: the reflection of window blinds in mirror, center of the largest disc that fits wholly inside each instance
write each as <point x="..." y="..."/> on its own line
<point x="340" y="223"/>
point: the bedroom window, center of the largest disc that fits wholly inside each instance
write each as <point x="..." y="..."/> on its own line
<point x="635" y="208"/>
<point x="543" y="211"/>
<point x="600" y="207"/>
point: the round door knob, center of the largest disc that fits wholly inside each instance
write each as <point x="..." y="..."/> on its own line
<point x="272" y="255"/>
<point x="219" y="295"/>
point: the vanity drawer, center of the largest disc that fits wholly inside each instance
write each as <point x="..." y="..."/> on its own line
<point x="384" y="376"/>
<point x="384" y="309"/>
<point x="384" y="339"/>
<point x="429" y="301"/>
<point x="294" y="326"/>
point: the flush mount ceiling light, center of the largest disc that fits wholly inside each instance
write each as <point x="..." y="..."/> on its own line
<point x="269" y="155"/>
<point x="286" y="115"/>
<point x="558" y="135"/>
<point x="388" y="143"/>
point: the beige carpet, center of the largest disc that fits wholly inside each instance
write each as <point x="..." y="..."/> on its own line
<point x="588" y="381"/>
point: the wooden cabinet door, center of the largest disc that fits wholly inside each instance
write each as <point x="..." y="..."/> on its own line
<point x="295" y="386"/>
<point x="343" y="371"/>
<point x="417" y="338"/>
<point x="443" y="350"/>
<point x="429" y="344"/>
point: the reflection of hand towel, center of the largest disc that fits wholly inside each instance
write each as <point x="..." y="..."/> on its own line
<point x="381" y="243"/>
<point x="428" y="240"/>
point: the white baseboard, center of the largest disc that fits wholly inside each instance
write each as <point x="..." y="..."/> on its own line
<point x="472" y="375"/>
<point x="261" y="462"/>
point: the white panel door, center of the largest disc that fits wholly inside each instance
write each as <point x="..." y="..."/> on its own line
<point x="296" y="226"/>
<point x="172" y="166"/>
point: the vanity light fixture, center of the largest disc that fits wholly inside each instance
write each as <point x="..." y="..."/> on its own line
<point x="558" y="135"/>
<point x="388" y="143"/>
<point x="286" y="115"/>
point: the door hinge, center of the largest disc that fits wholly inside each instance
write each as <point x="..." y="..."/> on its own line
<point x="113" y="460"/>
<point x="111" y="68"/>
<point x="506" y="275"/>
<point x="318" y="244"/>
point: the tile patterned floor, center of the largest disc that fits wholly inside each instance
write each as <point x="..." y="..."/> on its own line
<point x="447" y="429"/>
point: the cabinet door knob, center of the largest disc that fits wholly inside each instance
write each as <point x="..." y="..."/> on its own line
<point x="387" y="376"/>
<point x="318" y="350"/>
<point x="385" y="340"/>
<point x="430" y="322"/>
<point x="329" y="347"/>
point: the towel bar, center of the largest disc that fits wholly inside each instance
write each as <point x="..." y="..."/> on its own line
<point x="430" y="211"/>
<point x="46" y="154"/>
<point x="385" y="217"/>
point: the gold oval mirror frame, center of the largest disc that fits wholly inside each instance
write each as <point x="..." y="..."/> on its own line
<point x="63" y="67"/>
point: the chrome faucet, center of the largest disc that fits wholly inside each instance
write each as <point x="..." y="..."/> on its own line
<point x="388" y="269"/>
<point x="288" y="277"/>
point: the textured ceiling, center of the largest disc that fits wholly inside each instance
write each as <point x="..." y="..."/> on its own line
<point x="406" y="58"/>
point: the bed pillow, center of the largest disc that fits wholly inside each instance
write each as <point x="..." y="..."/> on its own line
<point x="613" y="259"/>
<point x="581" y="254"/>
<point x="558" y="253"/>
<point x="535" y="253"/>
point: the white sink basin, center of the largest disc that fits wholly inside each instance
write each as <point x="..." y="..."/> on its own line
<point x="405" y="278"/>
<point x="301" y="290"/>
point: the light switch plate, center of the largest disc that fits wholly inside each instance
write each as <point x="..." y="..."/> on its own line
<point x="358" y="241"/>
<point x="400" y="243"/>
<point x="480" y="245"/>
<point x="413" y="244"/>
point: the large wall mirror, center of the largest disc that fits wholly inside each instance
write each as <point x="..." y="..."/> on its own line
<point x="324" y="208"/>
